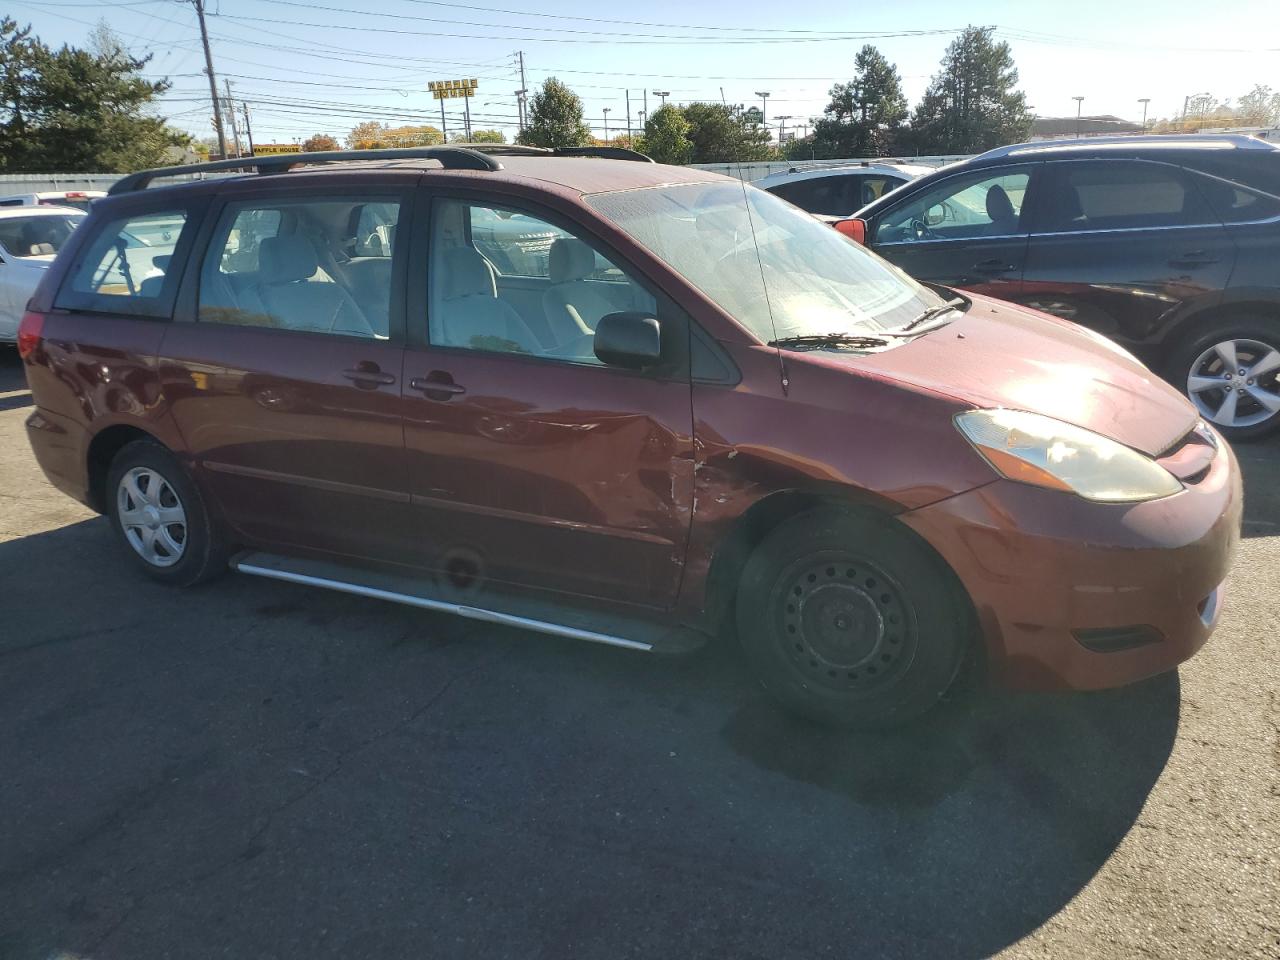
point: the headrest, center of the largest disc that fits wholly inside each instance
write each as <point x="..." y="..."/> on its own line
<point x="286" y="258"/>
<point x="467" y="274"/>
<point x="571" y="259"/>
<point x="999" y="207"/>
<point x="41" y="250"/>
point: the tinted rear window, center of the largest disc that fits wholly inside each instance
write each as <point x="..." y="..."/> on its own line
<point x="1123" y="195"/>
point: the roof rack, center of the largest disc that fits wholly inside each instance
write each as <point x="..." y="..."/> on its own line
<point x="520" y="150"/>
<point x="451" y="158"/>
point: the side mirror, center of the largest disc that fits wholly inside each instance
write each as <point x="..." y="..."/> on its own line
<point x="629" y="339"/>
<point x="855" y="230"/>
<point x="935" y="214"/>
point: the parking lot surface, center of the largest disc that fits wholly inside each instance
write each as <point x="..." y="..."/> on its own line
<point x="256" y="769"/>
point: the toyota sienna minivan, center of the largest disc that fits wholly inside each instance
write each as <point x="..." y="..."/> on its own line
<point x="701" y="412"/>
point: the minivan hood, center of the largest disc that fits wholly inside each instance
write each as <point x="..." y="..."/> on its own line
<point x="1002" y="355"/>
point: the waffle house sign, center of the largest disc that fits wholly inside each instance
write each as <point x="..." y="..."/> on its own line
<point x="448" y="89"/>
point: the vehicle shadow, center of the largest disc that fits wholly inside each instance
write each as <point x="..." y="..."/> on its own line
<point x="341" y="775"/>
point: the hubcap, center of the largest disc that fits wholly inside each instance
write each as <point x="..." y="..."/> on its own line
<point x="1234" y="383"/>
<point x="845" y="624"/>
<point x="151" y="516"/>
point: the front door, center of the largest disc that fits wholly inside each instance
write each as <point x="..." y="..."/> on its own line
<point x="531" y="463"/>
<point x="285" y="381"/>
<point x="967" y="231"/>
<point x="1122" y="245"/>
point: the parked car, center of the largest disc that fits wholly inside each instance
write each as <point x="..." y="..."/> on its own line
<point x="832" y="193"/>
<point x="869" y="480"/>
<point x="1168" y="245"/>
<point x="29" y="239"/>
<point x="80" y="199"/>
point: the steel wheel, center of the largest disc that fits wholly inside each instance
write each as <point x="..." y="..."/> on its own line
<point x="845" y="624"/>
<point x="151" y="516"/>
<point x="1234" y="383"/>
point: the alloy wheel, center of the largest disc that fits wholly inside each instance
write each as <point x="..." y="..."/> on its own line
<point x="1236" y="383"/>
<point x="151" y="516"/>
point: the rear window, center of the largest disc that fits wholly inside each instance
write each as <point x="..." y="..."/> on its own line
<point x="836" y="196"/>
<point x="126" y="266"/>
<point x="1236" y="204"/>
<point x="1124" y="195"/>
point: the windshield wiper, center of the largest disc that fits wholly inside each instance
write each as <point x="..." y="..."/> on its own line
<point x="933" y="313"/>
<point x="819" y="340"/>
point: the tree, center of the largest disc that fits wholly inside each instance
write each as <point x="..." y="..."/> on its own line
<point x="721" y="135"/>
<point x="1260" y="107"/>
<point x="365" y="135"/>
<point x="410" y="135"/>
<point x="971" y="104"/>
<point x="865" y="115"/>
<point x="666" y="136"/>
<point x="555" y="118"/>
<point x="480" y="136"/>
<point x="318" y="142"/>
<point x="82" y="110"/>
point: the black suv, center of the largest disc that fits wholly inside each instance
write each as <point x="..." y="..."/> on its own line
<point x="1168" y="245"/>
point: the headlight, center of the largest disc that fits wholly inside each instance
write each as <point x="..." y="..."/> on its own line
<point x="1048" y="453"/>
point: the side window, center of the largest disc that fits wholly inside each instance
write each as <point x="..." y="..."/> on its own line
<point x="962" y="207"/>
<point x="1235" y="204"/>
<point x="1121" y="195"/>
<point x="506" y="281"/>
<point x="289" y="265"/>
<point x="124" y="267"/>
<point x="836" y="196"/>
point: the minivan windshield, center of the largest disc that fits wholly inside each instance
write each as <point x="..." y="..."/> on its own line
<point x="774" y="268"/>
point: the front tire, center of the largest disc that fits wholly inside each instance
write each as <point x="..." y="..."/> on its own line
<point x="851" y="620"/>
<point x="161" y="518"/>
<point x="1230" y="371"/>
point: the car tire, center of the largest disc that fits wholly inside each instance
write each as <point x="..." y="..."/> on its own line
<point x="161" y="518"/>
<point x="852" y="620"/>
<point x="1255" y="341"/>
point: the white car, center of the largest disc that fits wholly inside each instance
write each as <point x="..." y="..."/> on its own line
<point x="833" y="193"/>
<point x="80" y="199"/>
<point x="30" y="237"/>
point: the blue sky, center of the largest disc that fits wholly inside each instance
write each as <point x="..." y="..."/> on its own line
<point x="323" y="66"/>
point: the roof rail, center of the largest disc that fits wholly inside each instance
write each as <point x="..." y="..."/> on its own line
<point x="519" y="149"/>
<point x="451" y="158"/>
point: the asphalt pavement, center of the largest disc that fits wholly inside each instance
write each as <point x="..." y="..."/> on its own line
<point x="261" y="770"/>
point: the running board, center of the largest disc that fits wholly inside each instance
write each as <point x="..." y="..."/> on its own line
<point x="526" y="614"/>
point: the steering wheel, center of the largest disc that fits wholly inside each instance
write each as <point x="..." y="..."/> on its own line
<point x="920" y="230"/>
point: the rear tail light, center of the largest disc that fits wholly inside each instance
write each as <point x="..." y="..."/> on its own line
<point x="855" y="230"/>
<point x="30" y="331"/>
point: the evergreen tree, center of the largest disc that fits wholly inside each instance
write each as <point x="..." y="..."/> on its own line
<point x="972" y="103"/>
<point x="555" y="118"/>
<point x="865" y="115"/>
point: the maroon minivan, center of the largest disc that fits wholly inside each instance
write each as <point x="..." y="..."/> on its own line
<point x="626" y="403"/>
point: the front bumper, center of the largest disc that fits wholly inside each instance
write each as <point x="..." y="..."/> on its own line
<point x="1049" y="572"/>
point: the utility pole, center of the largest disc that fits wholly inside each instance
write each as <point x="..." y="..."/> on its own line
<point x="466" y="106"/>
<point x="244" y="107"/>
<point x="213" y="81"/>
<point x="231" y="109"/>
<point x="444" y="131"/>
<point x="606" y="124"/>
<point x="628" y="118"/>
<point x="1079" y="103"/>
<point x="663" y="94"/>
<point x="646" y="103"/>
<point x="523" y="92"/>
<point x="1144" y="101"/>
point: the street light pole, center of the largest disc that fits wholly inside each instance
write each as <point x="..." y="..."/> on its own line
<point x="606" y="124"/>
<point x="1144" y="101"/>
<point x="1079" y="103"/>
<point x="663" y="94"/>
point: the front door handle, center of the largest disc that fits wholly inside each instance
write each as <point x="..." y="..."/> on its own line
<point x="1196" y="258"/>
<point x="367" y="375"/>
<point x="995" y="265"/>
<point x="437" y="385"/>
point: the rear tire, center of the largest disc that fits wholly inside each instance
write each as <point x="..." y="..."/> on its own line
<point x="1247" y="406"/>
<point x="161" y="518"/>
<point x="851" y="620"/>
